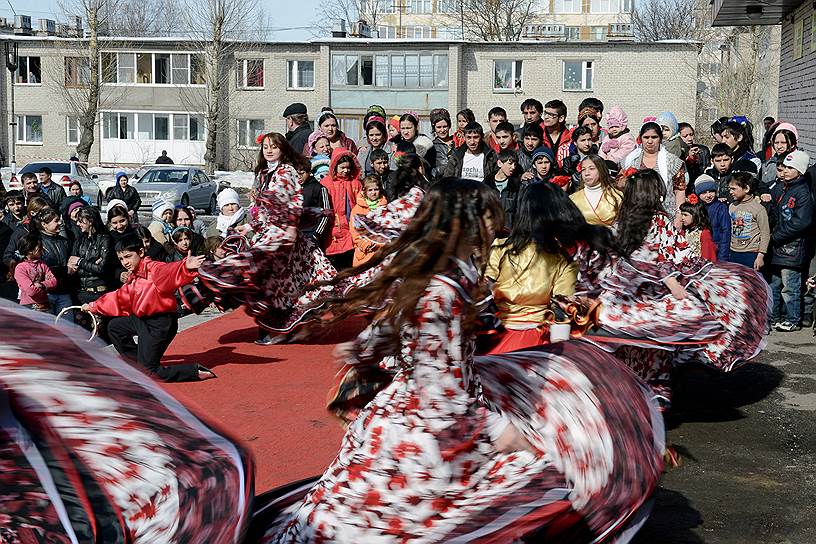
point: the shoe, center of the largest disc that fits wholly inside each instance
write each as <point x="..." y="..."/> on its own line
<point x="201" y="368"/>
<point x="264" y="341"/>
<point x="787" y="326"/>
<point x="807" y="323"/>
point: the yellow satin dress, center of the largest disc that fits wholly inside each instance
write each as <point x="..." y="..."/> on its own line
<point x="524" y="283"/>
<point x="607" y="211"/>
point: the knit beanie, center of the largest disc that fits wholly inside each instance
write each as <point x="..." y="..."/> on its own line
<point x="798" y="160"/>
<point x="376" y="109"/>
<point x="116" y="202"/>
<point x="75" y="205"/>
<point x="704" y="183"/>
<point x="786" y="126"/>
<point x="160" y="206"/>
<point x="394" y="121"/>
<point x="320" y="166"/>
<point x="545" y="152"/>
<point x="121" y="174"/>
<point x="616" y="117"/>
<point x="745" y="165"/>
<point x="667" y="119"/>
<point x="228" y="196"/>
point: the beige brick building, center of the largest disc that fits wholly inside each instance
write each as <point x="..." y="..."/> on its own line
<point x="152" y="96"/>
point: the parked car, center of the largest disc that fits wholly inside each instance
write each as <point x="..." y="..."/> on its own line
<point x="107" y="183"/>
<point x="185" y="185"/>
<point x="63" y="173"/>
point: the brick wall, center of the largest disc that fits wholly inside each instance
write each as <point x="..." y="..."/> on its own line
<point x="797" y="80"/>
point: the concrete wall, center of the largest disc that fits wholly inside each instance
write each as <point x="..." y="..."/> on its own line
<point x="797" y="78"/>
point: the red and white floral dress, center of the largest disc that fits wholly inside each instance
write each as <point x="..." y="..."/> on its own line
<point x="270" y="276"/>
<point x="92" y="450"/>
<point x="419" y="463"/>
<point x="722" y="323"/>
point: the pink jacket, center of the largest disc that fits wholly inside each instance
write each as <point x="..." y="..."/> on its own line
<point x="617" y="149"/>
<point x="29" y="273"/>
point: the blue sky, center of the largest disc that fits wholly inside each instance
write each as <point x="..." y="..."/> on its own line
<point x="296" y="14"/>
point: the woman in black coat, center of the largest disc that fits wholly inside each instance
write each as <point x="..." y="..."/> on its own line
<point x="128" y="194"/>
<point x="92" y="256"/>
<point x="56" y="252"/>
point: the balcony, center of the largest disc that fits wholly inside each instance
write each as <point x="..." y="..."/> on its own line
<point x="751" y="12"/>
<point x="620" y="32"/>
<point x="544" y="32"/>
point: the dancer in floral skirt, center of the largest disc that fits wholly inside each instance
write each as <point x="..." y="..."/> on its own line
<point x="560" y="444"/>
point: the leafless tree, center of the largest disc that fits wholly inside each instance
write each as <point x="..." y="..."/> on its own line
<point x="217" y="28"/>
<point x="350" y="11"/>
<point x="145" y="18"/>
<point x="496" y="20"/>
<point x="658" y="20"/>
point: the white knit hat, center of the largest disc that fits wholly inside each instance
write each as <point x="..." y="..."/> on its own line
<point x="116" y="202"/>
<point x="798" y="160"/>
<point x="228" y="196"/>
<point x="160" y="206"/>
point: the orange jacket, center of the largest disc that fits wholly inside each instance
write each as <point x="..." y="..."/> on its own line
<point x="150" y="290"/>
<point x="363" y="248"/>
<point x="343" y="193"/>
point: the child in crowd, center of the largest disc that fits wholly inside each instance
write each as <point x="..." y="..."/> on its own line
<point x="619" y="142"/>
<point x="474" y="160"/>
<point x="343" y="184"/>
<point x="750" y="231"/>
<point x="32" y="275"/>
<point x="76" y="191"/>
<point x="145" y="306"/>
<point x="182" y="245"/>
<point x="697" y="229"/>
<point x="442" y="141"/>
<point x="583" y="147"/>
<point x="495" y="116"/>
<point x="504" y="137"/>
<point x="737" y="135"/>
<point x="531" y="137"/>
<point x="320" y="166"/>
<point x="315" y="196"/>
<point x="15" y="209"/>
<point x="231" y="214"/>
<point x="720" y="170"/>
<point x="463" y="119"/>
<point x="794" y="215"/>
<point x="319" y="144"/>
<point x="506" y="182"/>
<point x="213" y="248"/>
<point x="161" y="226"/>
<point x="369" y="199"/>
<point x="379" y="165"/>
<point x="718" y="218"/>
<point x="598" y="200"/>
<point x="153" y="248"/>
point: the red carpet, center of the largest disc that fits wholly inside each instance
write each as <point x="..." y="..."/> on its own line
<point x="271" y="397"/>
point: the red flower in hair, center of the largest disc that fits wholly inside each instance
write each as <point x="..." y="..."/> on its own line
<point x="692" y="199"/>
<point x="259" y="140"/>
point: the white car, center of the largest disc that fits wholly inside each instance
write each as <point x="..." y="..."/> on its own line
<point x="63" y="173"/>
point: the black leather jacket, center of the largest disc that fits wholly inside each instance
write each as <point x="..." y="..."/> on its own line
<point x="94" y="254"/>
<point x="129" y="195"/>
<point x="56" y="251"/>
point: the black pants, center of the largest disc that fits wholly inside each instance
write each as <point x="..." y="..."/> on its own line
<point x="155" y="334"/>
<point x="341" y="261"/>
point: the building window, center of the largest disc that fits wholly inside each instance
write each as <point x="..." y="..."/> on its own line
<point x="248" y="132"/>
<point x="376" y="7"/>
<point x="418" y="32"/>
<point x="251" y="74"/>
<point x="181" y="127"/>
<point x="161" y="126"/>
<point x="126" y="68"/>
<point x="506" y="75"/>
<point x="180" y="69"/>
<point x="578" y="75"/>
<point x="29" y="71"/>
<point x="627" y="6"/>
<point x="449" y="32"/>
<point x="109" y="67"/>
<point x="77" y="71"/>
<point x="300" y="74"/>
<point x="196" y="128"/>
<point x="197" y="69"/>
<point x="73" y="130"/>
<point x="144" y="68"/>
<point x="151" y="126"/>
<point x="447" y="6"/>
<point x="419" y="6"/>
<point x="161" y="68"/>
<point x="413" y="71"/>
<point x="568" y="6"/>
<point x="150" y="68"/>
<point x="387" y="32"/>
<point x="798" y="39"/>
<point x="572" y="33"/>
<point x="604" y="6"/>
<point x="29" y="129"/>
<point x="599" y="33"/>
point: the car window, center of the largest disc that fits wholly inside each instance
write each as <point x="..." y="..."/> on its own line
<point x="169" y="176"/>
<point x="148" y="177"/>
<point x="56" y="167"/>
<point x="202" y="179"/>
<point x="140" y="173"/>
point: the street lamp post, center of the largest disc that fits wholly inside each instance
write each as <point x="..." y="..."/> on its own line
<point x="12" y="62"/>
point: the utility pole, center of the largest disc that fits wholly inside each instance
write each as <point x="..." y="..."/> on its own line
<point x="12" y="62"/>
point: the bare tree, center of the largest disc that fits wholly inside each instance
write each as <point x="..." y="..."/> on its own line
<point x="217" y="27"/>
<point x="496" y="20"/>
<point x="658" y="20"/>
<point x="145" y="18"/>
<point x="350" y="11"/>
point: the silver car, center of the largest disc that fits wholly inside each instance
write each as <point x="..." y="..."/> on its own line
<point x="185" y="185"/>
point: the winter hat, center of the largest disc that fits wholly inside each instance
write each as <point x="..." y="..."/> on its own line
<point x="121" y="174"/>
<point x="228" y="196"/>
<point x="704" y="183"/>
<point x="745" y="165"/>
<point x="116" y="202"/>
<point x="160" y="206"/>
<point x="297" y="108"/>
<point x="75" y="205"/>
<point x="377" y="110"/>
<point x="313" y="138"/>
<point x="422" y="144"/>
<point x="545" y="152"/>
<point x="394" y="121"/>
<point x="320" y="166"/>
<point x="786" y="126"/>
<point x="588" y="111"/>
<point x="616" y="117"/>
<point x="667" y="119"/>
<point x="798" y="160"/>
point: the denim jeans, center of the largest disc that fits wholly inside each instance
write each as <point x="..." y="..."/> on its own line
<point x="59" y="302"/>
<point x="745" y="258"/>
<point x="786" y="286"/>
<point x="809" y="299"/>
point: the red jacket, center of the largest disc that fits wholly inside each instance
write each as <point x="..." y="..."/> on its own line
<point x="562" y="146"/>
<point x="150" y="290"/>
<point x="708" y="250"/>
<point x="343" y="194"/>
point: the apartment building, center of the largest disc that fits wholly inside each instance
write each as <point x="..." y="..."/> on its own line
<point x="568" y="20"/>
<point x="152" y="92"/>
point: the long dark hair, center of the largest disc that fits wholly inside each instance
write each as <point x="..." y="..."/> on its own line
<point x="738" y="129"/>
<point x="288" y="153"/>
<point x="45" y="216"/>
<point x="453" y="210"/>
<point x="698" y="213"/>
<point x="651" y="125"/>
<point x="642" y="199"/>
<point x="91" y="214"/>
<point x="548" y="218"/>
<point x="407" y="175"/>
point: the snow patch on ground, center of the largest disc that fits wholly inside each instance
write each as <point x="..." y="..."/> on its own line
<point x="235" y="178"/>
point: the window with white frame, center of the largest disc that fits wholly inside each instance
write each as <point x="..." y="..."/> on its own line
<point x="29" y="71"/>
<point x="418" y="32"/>
<point x="300" y="74"/>
<point x="572" y="33"/>
<point x="151" y="68"/>
<point x="248" y="132"/>
<point x="419" y="6"/>
<point x="599" y="33"/>
<point x="627" y="6"/>
<point x="72" y="131"/>
<point x="448" y="6"/>
<point x="251" y="74"/>
<point x="29" y="129"/>
<point x="161" y="126"/>
<point x="422" y="70"/>
<point x="567" y="6"/>
<point x="578" y="75"/>
<point x="506" y="75"/>
<point x="152" y="126"/>
<point x="449" y="32"/>
<point x="387" y="32"/>
<point x="604" y="6"/>
<point x="77" y="71"/>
